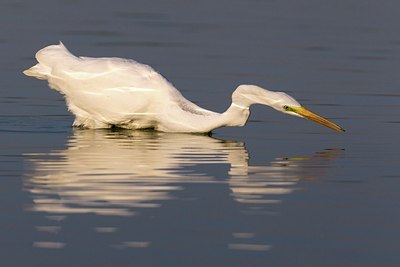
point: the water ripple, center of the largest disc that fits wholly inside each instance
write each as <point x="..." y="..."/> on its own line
<point x="119" y="173"/>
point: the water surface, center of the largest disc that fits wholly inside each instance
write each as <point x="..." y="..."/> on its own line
<point x="280" y="191"/>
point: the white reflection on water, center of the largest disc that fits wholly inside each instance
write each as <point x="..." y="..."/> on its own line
<point x="47" y="244"/>
<point x="116" y="173"/>
<point x="253" y="247"/>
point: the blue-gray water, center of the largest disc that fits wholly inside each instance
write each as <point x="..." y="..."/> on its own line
<point x="280" y="191"/>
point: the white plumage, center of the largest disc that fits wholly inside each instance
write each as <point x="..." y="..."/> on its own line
<point x="107" y="92"/>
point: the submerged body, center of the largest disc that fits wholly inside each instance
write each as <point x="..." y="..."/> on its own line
<point x="107" y="92"/>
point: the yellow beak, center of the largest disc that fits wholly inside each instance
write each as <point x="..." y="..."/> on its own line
<point x="314" y="117"/>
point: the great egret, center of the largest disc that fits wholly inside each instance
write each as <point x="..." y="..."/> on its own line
<point x="107" y="92"/>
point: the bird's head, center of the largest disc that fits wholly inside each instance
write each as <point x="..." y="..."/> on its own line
<point x="245" y="95"/>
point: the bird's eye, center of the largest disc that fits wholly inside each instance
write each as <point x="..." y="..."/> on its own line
<point x="286" y="108"/>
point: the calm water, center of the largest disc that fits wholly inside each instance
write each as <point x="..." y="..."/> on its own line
<point x="278" y="192"/>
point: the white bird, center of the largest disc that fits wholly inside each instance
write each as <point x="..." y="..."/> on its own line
<point x="115" y="92"/>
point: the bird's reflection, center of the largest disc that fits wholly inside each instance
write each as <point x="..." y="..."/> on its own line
<point x="118" y="172"/>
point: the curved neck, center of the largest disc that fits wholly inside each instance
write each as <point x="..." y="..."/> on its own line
<point x="187" y="121"/>
<point x="236" y="115"/>
<point x="195" y="119"/>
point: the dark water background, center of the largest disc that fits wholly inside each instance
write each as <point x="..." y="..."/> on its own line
<point x="278" y="192"/>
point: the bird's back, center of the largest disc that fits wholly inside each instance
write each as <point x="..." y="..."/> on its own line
<point x="112" y="90"/>
<point x="64" y="70"/>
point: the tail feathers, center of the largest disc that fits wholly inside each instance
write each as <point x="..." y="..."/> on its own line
<point x="38" y="71"/>
<point x="48" y="57"/>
